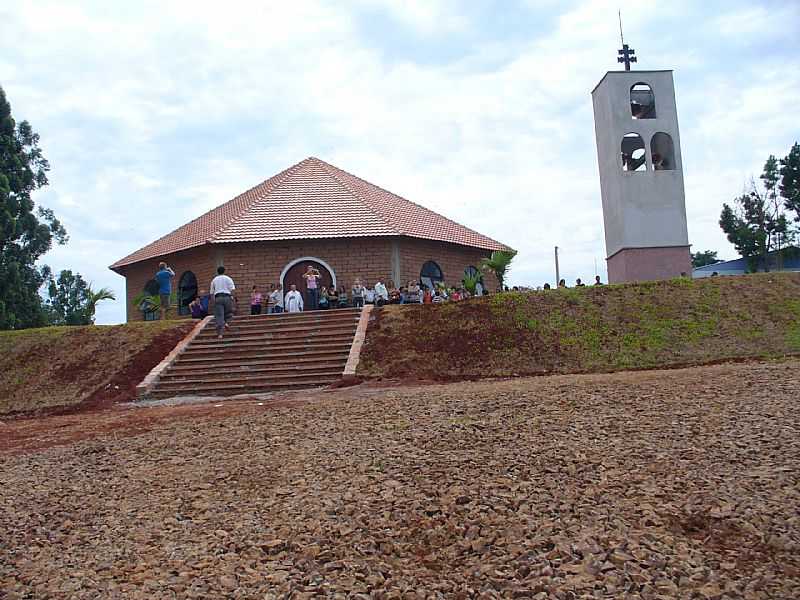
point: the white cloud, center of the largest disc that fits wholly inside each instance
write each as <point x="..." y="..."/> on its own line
<point x="425" y="16"/>
<point x="153" y="113"/>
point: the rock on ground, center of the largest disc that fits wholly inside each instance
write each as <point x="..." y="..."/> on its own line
<point x="677" y="484"/>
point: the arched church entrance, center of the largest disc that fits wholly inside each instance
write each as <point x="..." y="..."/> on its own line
<point x="187" y="291"/>
<point x="293" y="274"/>
<point x="430" y="275"/>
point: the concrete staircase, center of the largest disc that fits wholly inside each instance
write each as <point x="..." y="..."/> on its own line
<point x="263" y="353"/>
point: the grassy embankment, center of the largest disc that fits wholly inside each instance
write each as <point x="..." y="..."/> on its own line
<point x="61" y="367"/>
<point x="593" y="329"/>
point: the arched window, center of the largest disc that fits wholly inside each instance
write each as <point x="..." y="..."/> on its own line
<point x="472" y="271"/>
<point x="473" y="280"/>
<point x="643" y="101"/>
<point x="151" y="287"/>
<point x="633" y="154"/>
<point x="187" y="291"/>
<point x="662" y="152"/>
<point x="431" y="274"/>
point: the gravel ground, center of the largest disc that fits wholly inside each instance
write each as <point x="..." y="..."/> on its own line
<point x="660" y="484"/>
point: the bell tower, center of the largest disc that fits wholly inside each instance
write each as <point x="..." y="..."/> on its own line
<point x="641" y="174"/>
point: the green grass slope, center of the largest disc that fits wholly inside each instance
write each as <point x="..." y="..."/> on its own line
<point x="592" y="329"/>
<point x="59" y="367"/>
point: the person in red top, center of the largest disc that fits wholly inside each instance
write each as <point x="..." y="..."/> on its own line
<point x="427" y="298"/>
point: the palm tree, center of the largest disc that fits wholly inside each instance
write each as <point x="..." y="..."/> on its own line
<point x="94" y="297"/>
<point x="498" y="263"/>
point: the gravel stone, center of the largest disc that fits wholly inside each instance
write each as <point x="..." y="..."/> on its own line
<point x="659" y="484"/>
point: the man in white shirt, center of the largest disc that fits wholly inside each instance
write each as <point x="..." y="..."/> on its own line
<point x="381" y="293"/>
<point x="222" y="293"/>
<point x="276" y="299"/>
<point x="294" y="300"/>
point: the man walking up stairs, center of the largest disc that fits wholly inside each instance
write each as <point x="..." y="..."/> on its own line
<point x="223" y="292"/>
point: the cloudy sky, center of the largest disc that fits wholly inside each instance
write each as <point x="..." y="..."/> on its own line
<point x="153" y="112"/>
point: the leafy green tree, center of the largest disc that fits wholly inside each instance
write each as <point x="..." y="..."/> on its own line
<point x="25" y="234"/>
<point x="756" y="223"/>
<point x="68" y="294"/>
<point x="701" y="259"/>
<point x="72" y="301"/>
<point x="790" y="181"/>
<point x="499" y="263"/>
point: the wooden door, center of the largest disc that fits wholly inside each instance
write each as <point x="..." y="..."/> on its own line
<point x="295" y="276"/>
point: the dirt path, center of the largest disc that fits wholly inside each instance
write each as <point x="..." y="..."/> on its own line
<point x="663" y="484"/>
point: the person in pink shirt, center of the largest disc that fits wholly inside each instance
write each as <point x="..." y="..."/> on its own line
<point x="256" y="300"/>
<point x="312" y="276"/>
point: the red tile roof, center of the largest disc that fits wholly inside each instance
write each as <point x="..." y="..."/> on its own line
<point x="312" y="199"/>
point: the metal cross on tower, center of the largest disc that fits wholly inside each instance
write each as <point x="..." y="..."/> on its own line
<point x="625" y="54"/>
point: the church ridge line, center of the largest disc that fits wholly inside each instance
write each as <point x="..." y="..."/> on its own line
<point x="357" y="195"/>
<point x="416" y="204"/>
<point x="269" y="211"/>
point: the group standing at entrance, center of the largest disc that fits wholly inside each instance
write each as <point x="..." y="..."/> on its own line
<point x="221" y="298"/>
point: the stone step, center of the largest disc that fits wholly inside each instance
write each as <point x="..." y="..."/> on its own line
<point x="263" y="323"/>
<point x="240" y="388"/>
<point x="204" y="382"/>
<point x="218" y="371"/>
<point x="312" y="338"/>
<point x="272" y="341"/>
<point x="260" y="359"/>
<point x="265" y="352"/>
<point x="236" y="332"/>
<point x="309" y="314"/>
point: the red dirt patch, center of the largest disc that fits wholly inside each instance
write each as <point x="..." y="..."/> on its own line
<point x="122" y="387"/>
<point x="67" y="370"/>
<point x="24" y="435"/>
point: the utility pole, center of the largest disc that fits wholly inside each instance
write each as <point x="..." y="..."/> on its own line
<point x="558" y="275"/>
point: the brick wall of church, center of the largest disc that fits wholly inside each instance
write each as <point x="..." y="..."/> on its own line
<point x="199" y="260"/>
<point x="261" y="263"/>
<point x="451" y="258"/>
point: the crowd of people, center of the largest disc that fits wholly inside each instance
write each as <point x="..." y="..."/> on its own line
<point x="383" y="292"/>
<point x="221" y="298"/>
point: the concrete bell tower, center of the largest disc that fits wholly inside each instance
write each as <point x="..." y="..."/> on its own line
<point x="641" y="175"/>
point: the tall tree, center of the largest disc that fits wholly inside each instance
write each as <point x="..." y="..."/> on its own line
<point x="67" y="296"/>
<point x="72" y="301"/>
<point x="756" y="224"/>
<point x="701" y="259"/>
<point x="25" y="233"/>
<point x="790" y="181"/>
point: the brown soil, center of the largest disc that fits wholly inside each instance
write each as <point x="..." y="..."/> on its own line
<point x="62" y="427"/>
<point x="587" y="330"/>
<point x="650" y="484"/>
<point x="62" y="370"/>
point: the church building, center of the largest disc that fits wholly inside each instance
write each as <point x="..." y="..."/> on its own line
<point x="311" y="213"/>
